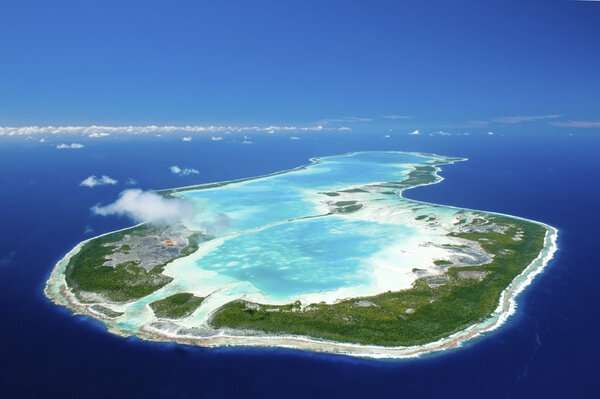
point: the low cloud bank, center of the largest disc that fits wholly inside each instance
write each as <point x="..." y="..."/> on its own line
<point x="101" y="131"/>
<point x="93" y="181"/>
<point x="176" y="170"/>
<point x="147" y="206"/>
<point x="72" y="145"/>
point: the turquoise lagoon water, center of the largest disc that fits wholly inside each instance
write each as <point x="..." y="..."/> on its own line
<point x="278" y="238"/>
<point x="311" y="255"/>
<point x="258" y="202"/>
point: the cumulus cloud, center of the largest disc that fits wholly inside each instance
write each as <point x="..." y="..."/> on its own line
<point x="294" y="138"/>
<point x="176" y="170"/>
<point x="101" y="134"/>
<point x="72" y="145"/>
<point x="93" y="181"/>
<point x="246" y="142"/>
<point x="490" y="133"/>
<point x="584" y="124"/>
<point x="216" y="138"/>
<point x="187" y="138"/>
<point x="522" y="118"/>
<point x="442" y="133"/>
<point x="147" y="206"/>
<point x="414" y="133"/>
<point x="387" y="136"/>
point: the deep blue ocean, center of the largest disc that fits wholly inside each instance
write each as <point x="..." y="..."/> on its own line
<point x="548" y="349"/>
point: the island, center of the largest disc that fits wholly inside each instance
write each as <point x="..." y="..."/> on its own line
<point x="326" y="257"/>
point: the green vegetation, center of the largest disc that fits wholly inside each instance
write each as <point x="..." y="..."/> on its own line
<point x="176" y="306"/>
<point x="344" y="203"/>
<point x="441" y="262"/>
<point x="127" y="281"/>
<point x="422" y="314"/>
<point x="348" y="209"/>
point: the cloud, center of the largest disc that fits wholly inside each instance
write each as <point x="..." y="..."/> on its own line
<point x="414" y="133"/>
<point x="442" y="133"/>
<point x="147" y="206"/>
<point x="477" y="123"/>
<point x="583" y="124"/>
<point x="131" y="181"/>
<point x="218" y="138"/>
<point x="294" y="138"/>
<point x="351" y="119"/>
<point x="519" y="119"/>
<point x="187" y="138"/>
<point x="387" y="136"/>
<point x="344" y="128"/>
<point x="396" y="117"/>
<point x="93" y="181"/>
<point x="490" y="133"/>
<point x="216" y="226"/>
<point x="246" y="142"/>
<point x="176" y="170"/>
<point x="96" y="135"/>
<point x="72" y="145"/>
<point x="101" y="131"/>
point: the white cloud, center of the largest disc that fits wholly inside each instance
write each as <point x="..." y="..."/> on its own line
<point x="101" y="134"/>
<point x="294" y="138"/>
<point x="397" y="117"/>
<point x="351" y="119"/>
<point x="522" y="118"/>
<point x="442" y="133"/>
<point x="93" y="181"/>
<point x="182" y="172"/>
<point x="387" y="136"/>
<point x="414" y="132"/>
<point x="147" y="206"/>
<point x="101" y="131"/>
<point x="131" y="181"/>
<point x="187" y="138"/>
<point x="490" y="133"/>
<point x="583" y="124"/>
<point x="217" y="138"/>
<point x="344" y="128"/>
<point x="246" y="142"/>
<point x="72" y="145"/>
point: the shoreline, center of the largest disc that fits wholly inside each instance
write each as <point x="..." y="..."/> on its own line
<point x="57" y="291"/>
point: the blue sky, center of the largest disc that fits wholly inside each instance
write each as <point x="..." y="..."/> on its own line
<point x="462" y="65"/>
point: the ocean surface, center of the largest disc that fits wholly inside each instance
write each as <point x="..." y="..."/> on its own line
<point x="549" y="348"/>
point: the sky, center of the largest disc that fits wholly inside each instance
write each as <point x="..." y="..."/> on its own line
<point x="457" y="66"/>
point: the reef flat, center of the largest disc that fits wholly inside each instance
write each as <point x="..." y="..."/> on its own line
<point x="325" y="257"/>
